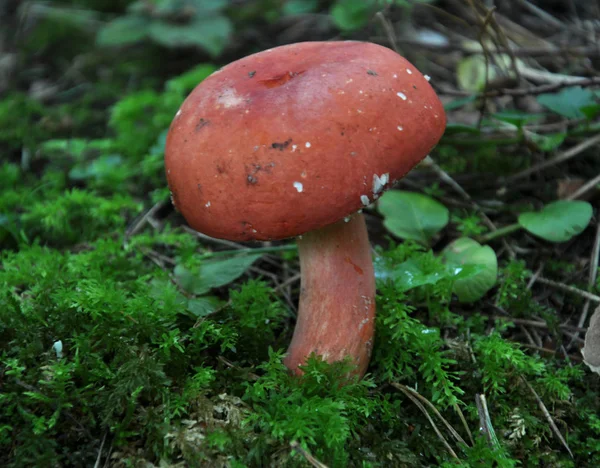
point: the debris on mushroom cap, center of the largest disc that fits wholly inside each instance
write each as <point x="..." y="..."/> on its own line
<point x="244" y="136"/>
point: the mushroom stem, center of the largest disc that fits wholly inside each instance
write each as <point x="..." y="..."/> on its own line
<point x="337" y="297"/>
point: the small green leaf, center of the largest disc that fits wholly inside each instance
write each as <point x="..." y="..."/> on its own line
<point x="456" y="128"/>
<point x="412" y="215"/>
<point x="410" y="274"/>
<point x="210" y="33"/>
<point x="203" y="306"/>
<point x="298" y="7"/>
<point x="350" y="15"/>
<point x="467" y="252"/>
<point x="569" y="102"/>
<point x="184" y="83"/>
<point x="460" y="102"/>
<point x="559" y="221"/>
<point x="547" y="142"/>
<point x="471" y="73"/>
<point x="517" y="118"/>
<point x="123" y="31"/>
<point x="214" y="273"/>
<point x="97" y="168"/>
<point x="590" y="111"/>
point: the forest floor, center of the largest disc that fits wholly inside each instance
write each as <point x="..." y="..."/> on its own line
<point x="128" y="339"/>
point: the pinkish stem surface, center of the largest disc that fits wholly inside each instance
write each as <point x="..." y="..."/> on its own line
<point x="336" y="313"/>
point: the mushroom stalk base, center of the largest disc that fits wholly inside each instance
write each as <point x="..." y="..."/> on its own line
<point x="337" y="298"/>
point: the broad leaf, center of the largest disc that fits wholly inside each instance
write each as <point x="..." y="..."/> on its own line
<point x="517" y="118"/>
<point x="559" y="221"/>
<point x="412" y="215"/>
<point x="350" y="15"/>
<point x="298" y="7"/>
<point x="471" y="73"/>
<point x="123" y="31"/>
<point x="410" y="274"/>
<point x="210" y="33"/>
<point x="463" y="252"/>
<point x="547" y="142"/>
<point x="569" y="102"/>
<point x="203" y="306"/>
<point x="214" y="273"/>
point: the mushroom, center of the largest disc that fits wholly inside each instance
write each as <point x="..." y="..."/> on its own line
<point x="293" y="142"/>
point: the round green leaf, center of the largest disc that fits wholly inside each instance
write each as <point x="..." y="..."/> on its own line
<point x="123" y="31"/>
<point x="209" y="33"/>
<point x="559" y="221"/>
<point x="568" y="102"/>
<point x="463" y="252"/>
<point x="350" y="15"/>
<point x="412" y="215"/>
<point x="213" y="273"/>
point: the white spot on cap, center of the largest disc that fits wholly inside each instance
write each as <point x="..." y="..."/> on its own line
<point x="401" y="96"/>
<point x="178" y="113"/>
<point x="298" y="186"/>
<point x="307" y="144"/>
<point x="427" y="77"/>
<point x="400" y="128"/>
<point x="364" y="200"/>
<point x="409" y="71"/>
<point x="347" y="219"/>
<point x="395" y="76"/>
<point x="207" y="204"/>
<point x="380" y="181"/>
<point x="294" y="148"/>
<point x="229" y="98"/>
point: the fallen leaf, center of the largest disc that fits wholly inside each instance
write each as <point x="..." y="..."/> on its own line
<point x="591" y="348"/>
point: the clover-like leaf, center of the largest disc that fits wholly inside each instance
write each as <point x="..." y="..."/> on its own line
<point x="569" y="102"/>
<point x="468" y="252"/>
<point x="559" y="221"/>
<point x="214" y="273"/>
<point x="412" y="215"/>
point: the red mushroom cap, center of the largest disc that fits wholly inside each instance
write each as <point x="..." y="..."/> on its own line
<point x="294" y="138"/>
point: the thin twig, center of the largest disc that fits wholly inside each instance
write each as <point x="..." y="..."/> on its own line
<point x="469" y="49"/>
<point x="462" y="418"/>
<point x="424" y="411"/>
<point x="99" y="457"/>
<point x="589" y="185"/>
<point x="547" y="416"/>
<point x="536" y="323"/>
<point x="139" y="223"/>
<point x="565" y="156"/>
<point x="445" y="177"/>
<point x="389" y="30"/>
<point x="433" y="408"/>
<point x="529" y="91"/>
<point x="485" y="421"/>
<point x="570" y="289"/>
<point x="294" y="445"/>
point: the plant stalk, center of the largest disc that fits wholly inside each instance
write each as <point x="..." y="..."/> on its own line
<point x="337" y="298"/>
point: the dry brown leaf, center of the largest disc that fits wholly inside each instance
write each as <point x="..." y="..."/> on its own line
<point x="591" y="348"/>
